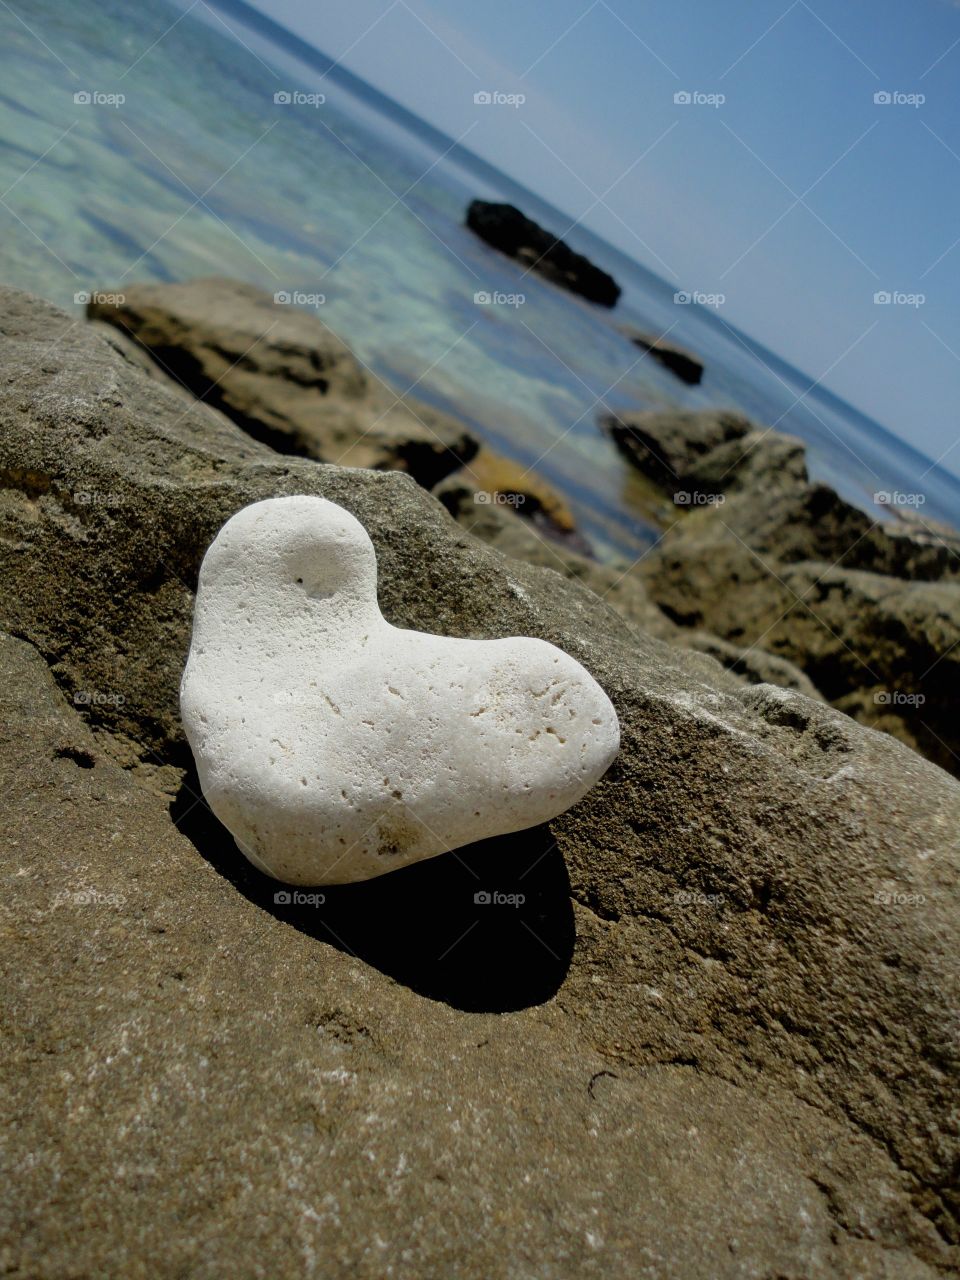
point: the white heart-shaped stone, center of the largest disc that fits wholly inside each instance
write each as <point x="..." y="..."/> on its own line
<point x="336" y="747"/>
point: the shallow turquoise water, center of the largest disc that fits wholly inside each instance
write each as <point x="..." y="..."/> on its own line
<point x="198" y="172"/>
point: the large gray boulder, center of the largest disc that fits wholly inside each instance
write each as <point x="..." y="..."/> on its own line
<point x="719" y="1038"/>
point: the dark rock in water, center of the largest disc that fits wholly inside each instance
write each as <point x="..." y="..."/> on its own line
<point x="283" y="376"/>
<point x="687" y="366"/>
<point x="505" y="228"/>
<point x="718" y="1038"/>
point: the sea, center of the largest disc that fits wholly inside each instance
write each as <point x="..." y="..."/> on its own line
<point x="155" y="142"/>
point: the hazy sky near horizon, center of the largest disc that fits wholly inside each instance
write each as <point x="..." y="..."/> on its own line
<point x="798" y="196"/>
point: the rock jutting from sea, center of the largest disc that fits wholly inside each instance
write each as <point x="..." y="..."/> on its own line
<point x="687" y="367"/>
<point x="505" y="228"/>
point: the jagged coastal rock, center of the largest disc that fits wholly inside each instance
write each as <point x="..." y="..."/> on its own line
<point x="760" y="554"/>
<point x="717" y="1037"/>
<point x="336" y="747"/>
<point x="285" y="377"/>
<point x="710" y="450"/>
<point x="615" y="583"/>
<point x="505" y="228"/>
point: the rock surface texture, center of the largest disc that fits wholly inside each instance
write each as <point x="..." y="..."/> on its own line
<point x="336" y="747"/>
<point x="718" y="1037"/>
<point x="490" y="479"/>
<point x="505" y="228"/>
<point x="615" y="583"/>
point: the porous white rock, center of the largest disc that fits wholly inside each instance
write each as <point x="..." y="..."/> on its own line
<point x="336" y="747"/>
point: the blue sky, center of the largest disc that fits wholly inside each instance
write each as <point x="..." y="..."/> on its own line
<point x="798" y="197"/>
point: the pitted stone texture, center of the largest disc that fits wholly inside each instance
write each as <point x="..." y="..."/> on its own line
<point x="336" y="747"/>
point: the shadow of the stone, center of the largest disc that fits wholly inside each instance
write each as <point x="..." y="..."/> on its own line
<point x="487" y="928"/>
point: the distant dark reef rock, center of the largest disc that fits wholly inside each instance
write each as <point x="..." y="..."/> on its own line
<point x="687" y="366"/>
<point x="505" y="228"/>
